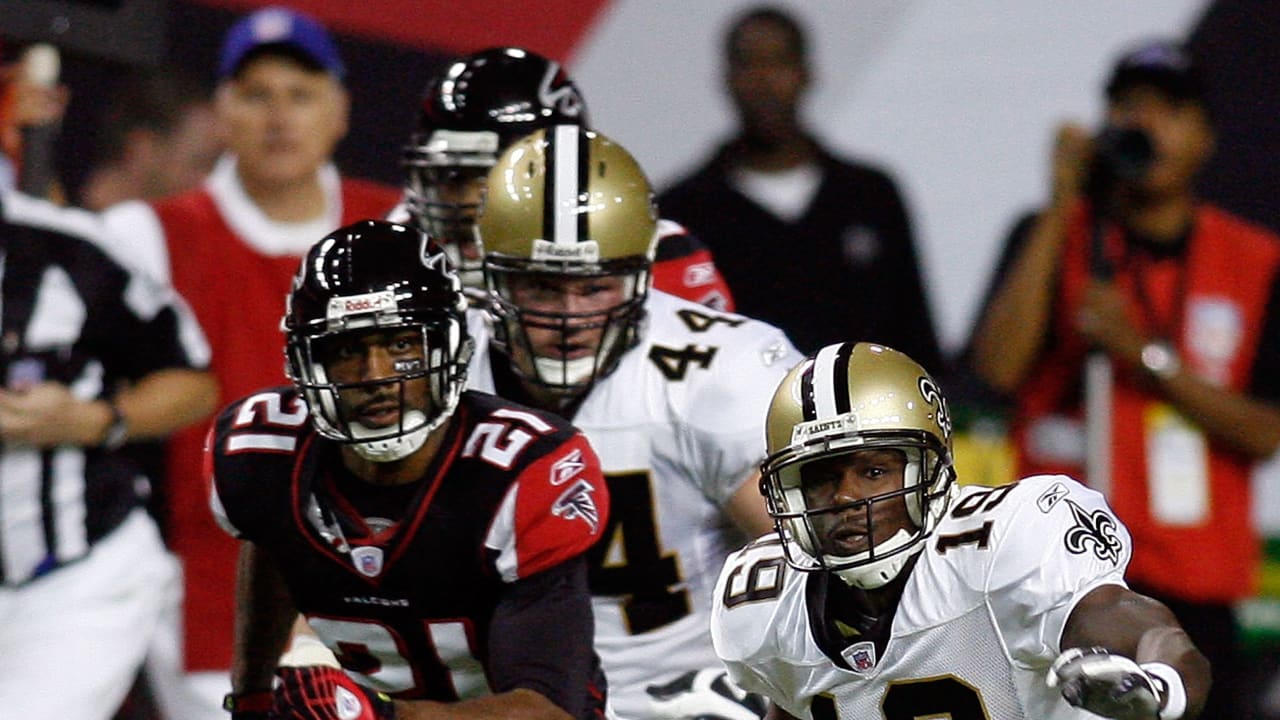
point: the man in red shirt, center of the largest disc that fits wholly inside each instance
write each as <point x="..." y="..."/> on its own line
<point x="1181" y="299"/>
<point x="231" y="248"/>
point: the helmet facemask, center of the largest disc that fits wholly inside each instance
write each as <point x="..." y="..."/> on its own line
<point x="925" y="492"/>
<point x="859" y="398"/>
<point x="446" y="173"/>
<point x="437" y="359"/>
<point x="528" y="306"/>
<point x="569" y="230"/>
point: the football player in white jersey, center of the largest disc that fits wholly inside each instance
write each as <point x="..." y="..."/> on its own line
<point x="888" y="591"/>
<point x="670" y="393"/>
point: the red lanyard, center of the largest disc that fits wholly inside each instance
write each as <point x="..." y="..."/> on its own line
<point x="1139" y="265"/>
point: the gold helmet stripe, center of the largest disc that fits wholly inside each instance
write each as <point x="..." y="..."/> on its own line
<point x="826" y="383"/>
<point x="567" y="156"/>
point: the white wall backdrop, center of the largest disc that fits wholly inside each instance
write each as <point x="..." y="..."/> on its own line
<point x="958" y="98"/>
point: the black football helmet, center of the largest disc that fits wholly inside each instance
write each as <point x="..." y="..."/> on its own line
<point x="377" y="275"/>
<point x="472" y="111"/>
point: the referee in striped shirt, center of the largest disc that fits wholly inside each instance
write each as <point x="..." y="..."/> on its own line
<point x="90" y="354"/>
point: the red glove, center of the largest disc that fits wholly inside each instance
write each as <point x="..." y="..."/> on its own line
<point x="318" y="692"/>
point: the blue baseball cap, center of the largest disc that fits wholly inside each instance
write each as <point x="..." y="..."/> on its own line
<point x="279" y="26"/>
<point x="1162" y="64"/>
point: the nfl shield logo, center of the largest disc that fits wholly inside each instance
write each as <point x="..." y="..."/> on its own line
<point x="860" y="656"/>
<point x="368" y="560"/>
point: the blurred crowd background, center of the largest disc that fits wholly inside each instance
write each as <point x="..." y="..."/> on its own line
<point x="954" y="99"/>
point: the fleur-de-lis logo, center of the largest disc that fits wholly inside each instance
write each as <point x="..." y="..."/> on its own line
<point x="1094" y="531"/>
<point x="933" y="396"/>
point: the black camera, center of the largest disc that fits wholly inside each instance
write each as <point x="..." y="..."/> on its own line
<point x="1123" y="153"/>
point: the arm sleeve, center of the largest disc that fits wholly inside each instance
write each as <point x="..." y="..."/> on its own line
<point x="722" y="435"/>
<point x="541" y="636"/>
<point x="556" y="509"/>
<point x="137" y="321"/>
<point x="1060" y="542"/>
<point x="684" y="267"/>
<point x="148" y="328"/>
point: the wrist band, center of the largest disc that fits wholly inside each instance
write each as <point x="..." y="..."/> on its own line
<point x="1175" y="695"/>
<point x="308" y="650"/>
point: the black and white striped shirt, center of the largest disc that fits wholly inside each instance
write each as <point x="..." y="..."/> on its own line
<point x="71" y="311"/>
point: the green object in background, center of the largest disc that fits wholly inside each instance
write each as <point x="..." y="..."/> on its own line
<point x="1259" y="617"/>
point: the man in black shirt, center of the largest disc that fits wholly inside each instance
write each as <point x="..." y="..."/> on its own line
<point x="815" y="245"/>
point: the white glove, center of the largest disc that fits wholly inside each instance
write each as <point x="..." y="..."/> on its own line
<point x="1106" y="684"/>
<point x="704" y="695"/>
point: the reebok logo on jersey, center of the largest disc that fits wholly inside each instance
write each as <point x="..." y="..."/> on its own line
<point x="567" y="468"/>
<point x="577" y="503"/>
<point x="1094" y="531"/>
<point x="772" y="354"/>
<point x="699" y="274"/>
<point x="1050" y="497"/>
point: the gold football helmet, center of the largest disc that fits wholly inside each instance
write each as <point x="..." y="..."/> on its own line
<point x="567" y="205"/>
<point x="842" y="399"/>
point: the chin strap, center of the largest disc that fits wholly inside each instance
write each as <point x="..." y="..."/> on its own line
<point x="881" y="572"/>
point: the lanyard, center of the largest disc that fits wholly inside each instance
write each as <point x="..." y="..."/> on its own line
<point x="1140" y="265"/>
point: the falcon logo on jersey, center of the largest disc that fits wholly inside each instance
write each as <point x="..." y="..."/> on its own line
<point x="1094" y="531"/>
<point x="567" y="468"/>
<point x="861" y="656"/>
<point x="576" y="502"/>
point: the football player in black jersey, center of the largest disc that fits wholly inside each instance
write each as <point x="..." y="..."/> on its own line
<point x="476" y="108"/>
<point x="431" y="536"/>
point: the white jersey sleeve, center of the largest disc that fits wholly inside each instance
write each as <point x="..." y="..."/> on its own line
<point x="733" y="364"/>
<point x="1062" y="542"/>
<point x="759" y="623"/>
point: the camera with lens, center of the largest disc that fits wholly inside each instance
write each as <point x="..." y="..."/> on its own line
<point x="1121" y="154"/>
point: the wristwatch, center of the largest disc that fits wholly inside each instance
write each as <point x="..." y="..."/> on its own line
<point x="1160" y="360"/>
<point x="117" y="431"/>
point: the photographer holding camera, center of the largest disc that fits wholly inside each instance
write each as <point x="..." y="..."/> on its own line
<point x="1181" y="299"/>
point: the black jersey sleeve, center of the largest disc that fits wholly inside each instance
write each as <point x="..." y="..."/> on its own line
<point x="249" y="460"/>
<point x="541" y="638"/>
